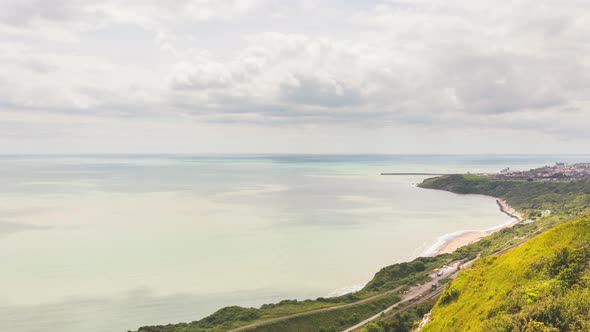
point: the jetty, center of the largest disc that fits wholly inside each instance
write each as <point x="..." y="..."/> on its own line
<point x="394" y="173"/>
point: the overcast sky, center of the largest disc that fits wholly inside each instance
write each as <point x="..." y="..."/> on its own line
<point x="294" y="76"/>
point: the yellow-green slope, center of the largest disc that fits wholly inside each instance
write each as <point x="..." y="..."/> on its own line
<point x="542" y="285"/>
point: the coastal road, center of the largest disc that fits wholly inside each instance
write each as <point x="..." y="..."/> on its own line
<point x="424" y="298"/>
<point x="277" y="319"/>
<point x="424" y="292"/>
<point x="413" y="293"/>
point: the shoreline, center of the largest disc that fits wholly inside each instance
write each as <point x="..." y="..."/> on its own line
<point x="452" y="242"/>
<point x="469" y="237"/>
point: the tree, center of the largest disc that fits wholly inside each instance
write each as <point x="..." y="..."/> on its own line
<point x="372" y="327"/>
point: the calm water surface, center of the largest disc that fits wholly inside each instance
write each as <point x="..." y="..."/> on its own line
<point x="111" y="243"/>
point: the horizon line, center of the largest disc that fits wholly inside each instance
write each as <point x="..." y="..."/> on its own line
<point x="188" y="154"/>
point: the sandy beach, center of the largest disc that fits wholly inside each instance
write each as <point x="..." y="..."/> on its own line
<point x="474" y="236"/>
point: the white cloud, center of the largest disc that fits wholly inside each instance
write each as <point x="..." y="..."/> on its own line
<point x="259" y="64"/>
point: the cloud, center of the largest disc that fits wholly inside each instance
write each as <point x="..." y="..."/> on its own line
<point x="281" y="69"/>
<point x="495" y="82"/>
<point x="25" y="12"/>
<point x="447" y="65"/>
<point x="316" y="91"/>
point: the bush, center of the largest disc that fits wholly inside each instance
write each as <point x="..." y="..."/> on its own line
<point x="449" y="295"/>
<point x="372" y="327"/>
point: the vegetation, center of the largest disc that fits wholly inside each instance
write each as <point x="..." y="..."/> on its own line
<point x="409" y="273"/>
<point x="547" y="203"/>
<point x="543" y="285"/>
<point x="566" y="197"/>
<point x="402" y="322"/>
<point x="328" y="321"/>
<point x="321" y="321"/>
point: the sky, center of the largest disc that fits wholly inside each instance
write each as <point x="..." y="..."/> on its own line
<point x="294" y="76"/>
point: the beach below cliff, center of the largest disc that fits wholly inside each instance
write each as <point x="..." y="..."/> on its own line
<point x="470" y="237"/>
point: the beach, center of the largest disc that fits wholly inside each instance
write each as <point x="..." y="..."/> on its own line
<point x="470" y="237"/>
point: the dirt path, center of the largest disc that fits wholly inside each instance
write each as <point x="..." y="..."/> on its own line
<point x="277" y="319"/>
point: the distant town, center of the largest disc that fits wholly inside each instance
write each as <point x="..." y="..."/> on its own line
<point x="560" y="171"/>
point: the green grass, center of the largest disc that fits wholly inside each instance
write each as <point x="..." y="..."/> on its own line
<point x="401" y="322"/>
<point x="232" y="317"/>
<point x="524" y="288"/>
<point x="521" y="290"/>
<point x="407" y="273"/>
<point x="571" y="197"/>
<point x="336" y="320"/>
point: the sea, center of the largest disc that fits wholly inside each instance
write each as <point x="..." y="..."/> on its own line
<point x="109" y="243"/>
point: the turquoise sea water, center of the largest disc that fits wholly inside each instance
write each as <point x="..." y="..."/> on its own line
<point x="110" y="243"/>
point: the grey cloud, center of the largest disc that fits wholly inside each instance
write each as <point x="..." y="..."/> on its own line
<point x="203" y="78"/>
<point x="309" y="90"/>
<point x="497" y="83"/>
<point x="432" y="76"/>
<point x="39" y="66"/>
<point x="24" y="12"/>
<point x="148" y="14"/>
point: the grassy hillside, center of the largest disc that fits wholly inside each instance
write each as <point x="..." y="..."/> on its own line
<point x="566" y="197"/>
<point x="330" y="321"/>
<point x="543" y="285"/>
